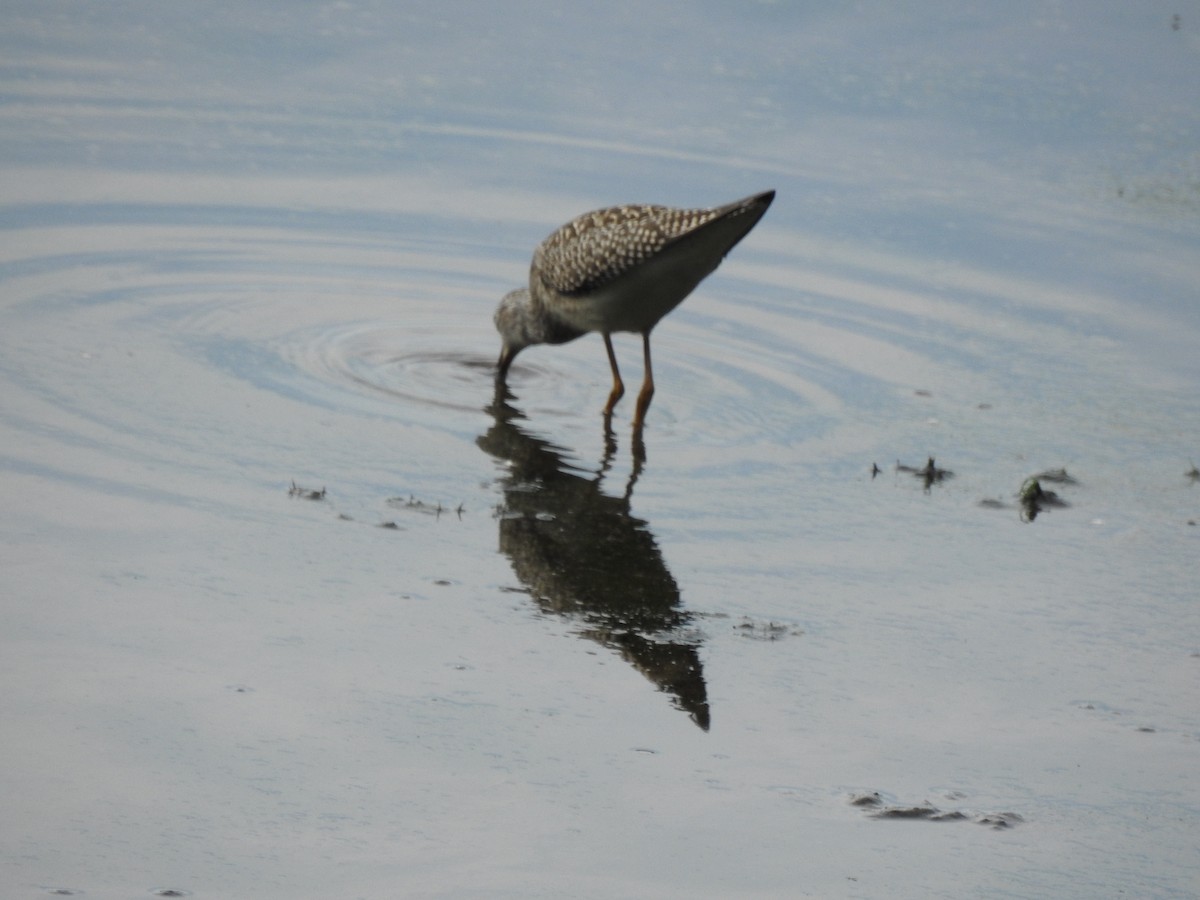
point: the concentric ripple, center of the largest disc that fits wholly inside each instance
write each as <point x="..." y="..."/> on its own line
<point x="390" y="369"/>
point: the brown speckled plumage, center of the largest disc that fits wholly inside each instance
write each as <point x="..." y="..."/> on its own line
<point x="598" y="247"/>
<point x="620" y="269"/>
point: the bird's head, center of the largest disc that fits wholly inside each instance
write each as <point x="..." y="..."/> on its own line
<point x="513" y="318"/>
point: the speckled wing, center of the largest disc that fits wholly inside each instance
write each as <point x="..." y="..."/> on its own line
<point x="599" y="247"/>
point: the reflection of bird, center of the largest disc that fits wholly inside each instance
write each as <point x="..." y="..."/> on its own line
<point x="581" y="554"/>
<point x="620" y="269"/>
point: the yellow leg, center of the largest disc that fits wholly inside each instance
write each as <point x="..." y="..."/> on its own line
<point x="647" y="392"/>
<point x="618" y="388"/>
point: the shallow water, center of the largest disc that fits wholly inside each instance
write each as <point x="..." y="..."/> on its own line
<point x="296" y="604"/>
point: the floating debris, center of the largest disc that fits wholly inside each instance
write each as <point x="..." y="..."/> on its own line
<point x="929" y="473"/>
<point x="1056" y="476"/>
<point x="305" y="493"/>
<point x="766" y="631"/>
<point x="1000" y="821"/>
<point x="931" y="813"/>
<point x="412" y="504"/>
<point x="873" y="803"/>
<point x="1192" y="474"/>
<point x="871" y="799"/>
<point x="1034" y="498"/>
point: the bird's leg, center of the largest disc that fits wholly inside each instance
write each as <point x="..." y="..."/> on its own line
<point x="637" y="450"/>
<point x="618" y="388"/>
<point x="647" y="392"/>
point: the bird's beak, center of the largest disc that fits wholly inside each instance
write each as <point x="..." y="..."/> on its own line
<point x="502" y="364"/>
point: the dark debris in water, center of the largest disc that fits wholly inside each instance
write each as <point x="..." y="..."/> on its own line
<point x="1000" y="821"/>
<point x="870" y="799"/>
<point x="1056" y="476"/>
<point x="1098" y="706"/>
<point x="1034" y="499"/>
<point x="1192" y="474"/>
<point x="875" y="806"/>
<point x="412" y="504"/>
<point x="929" y="473"/>
<point x="930" y="813"/>
<point x="305" y="493"/>
<point x="765" y="631"/>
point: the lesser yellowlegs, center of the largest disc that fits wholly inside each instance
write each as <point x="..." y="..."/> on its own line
<point x="620" y="269"/>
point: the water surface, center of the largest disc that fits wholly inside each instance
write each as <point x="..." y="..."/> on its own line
<point x="296" y="604"/>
